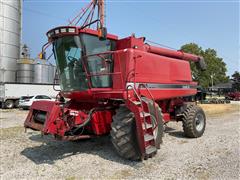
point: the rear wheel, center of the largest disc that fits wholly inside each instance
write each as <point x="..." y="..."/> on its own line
<point x="16" y="104"/>
<point x="194" y="121"/>
<point x="9" y="104"/>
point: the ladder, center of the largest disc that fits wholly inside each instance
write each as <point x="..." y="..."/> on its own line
<point x="147" y="116"/>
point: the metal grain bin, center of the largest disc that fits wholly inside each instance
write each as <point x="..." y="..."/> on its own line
<point x="10" y="36"/>
<point x="25" y="73"/>
<point x="51" y="73"/>
<point x="41" y="74"/>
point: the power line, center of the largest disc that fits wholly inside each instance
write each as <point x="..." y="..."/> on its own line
<point x="44" y="14"/>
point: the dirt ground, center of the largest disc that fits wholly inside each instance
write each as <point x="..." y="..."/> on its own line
<point x="213" y="156"/>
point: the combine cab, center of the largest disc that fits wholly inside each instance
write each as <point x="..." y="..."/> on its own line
<point x="122" y="87"/>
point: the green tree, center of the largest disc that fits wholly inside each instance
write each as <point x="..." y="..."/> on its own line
<point x="215" y="65"/>
<point x="236" y="80"/>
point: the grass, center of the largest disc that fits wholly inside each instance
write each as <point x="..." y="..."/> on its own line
<point x="219" y="109"/>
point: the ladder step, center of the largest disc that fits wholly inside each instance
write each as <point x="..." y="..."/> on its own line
<point x="148" y="137"/>
<point x="150" y="150"/>
<point x="148" y="126"/>
<point x="144" y="114"/>
<point x="136" y="102"/>
<point x="146" y="100"/>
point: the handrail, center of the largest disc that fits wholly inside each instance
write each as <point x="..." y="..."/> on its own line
<point x="100" y="55"/>
<point x="155" y="110"/>
<point x="145" y="86"/>
<point x="140" y="100"/>
<point x="54" y="81"/>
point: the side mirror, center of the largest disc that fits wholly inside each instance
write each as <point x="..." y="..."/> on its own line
<point x="102" y="33"/>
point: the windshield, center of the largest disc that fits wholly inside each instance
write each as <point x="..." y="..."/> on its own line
<point x="72" y="53"/>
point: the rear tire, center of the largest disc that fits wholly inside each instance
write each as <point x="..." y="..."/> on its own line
<point x="194" y="121"/>
<point x="9" y="104"/>
<point x="123" y="134"/>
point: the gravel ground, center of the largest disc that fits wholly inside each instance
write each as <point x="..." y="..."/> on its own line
<point x="29" y="156"/>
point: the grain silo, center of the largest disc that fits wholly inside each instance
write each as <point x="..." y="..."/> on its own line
<point x="10" y="37"/>
<point x="43" y="72"/>
<point x="25" y="71"/>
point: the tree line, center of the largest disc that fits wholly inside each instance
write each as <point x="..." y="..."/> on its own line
<point x="216" y="67"/>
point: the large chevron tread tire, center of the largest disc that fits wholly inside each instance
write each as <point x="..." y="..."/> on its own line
<point x="194" y="121"/>
<point x="123" y="134"/>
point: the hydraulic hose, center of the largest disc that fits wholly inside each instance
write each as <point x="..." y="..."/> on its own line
<point x="86" y="122"/>
<point x="89" y="118"/>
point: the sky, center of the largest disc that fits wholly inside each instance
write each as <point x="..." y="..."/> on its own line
<point x="209" y="23"/>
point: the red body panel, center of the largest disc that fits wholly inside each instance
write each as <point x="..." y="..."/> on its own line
<point x="101" y="122"/>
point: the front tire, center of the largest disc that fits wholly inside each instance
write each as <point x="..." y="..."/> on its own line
<point x="194" y="121"/>
<point x="123" y="134"/>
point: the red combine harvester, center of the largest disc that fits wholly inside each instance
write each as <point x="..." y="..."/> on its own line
<point x="122" y="87"/>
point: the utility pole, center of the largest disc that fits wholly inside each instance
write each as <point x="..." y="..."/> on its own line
<point x="212" y="75"/>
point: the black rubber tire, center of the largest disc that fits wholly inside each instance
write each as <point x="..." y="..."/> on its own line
<point x="189" y="121"/>
<point x="9" y="104"/>
<point x="158" y="140"/>
<point x="16" y="104"/>
<point x="123" y="134"/>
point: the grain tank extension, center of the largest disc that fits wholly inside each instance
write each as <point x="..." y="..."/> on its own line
<point x="122" y="87"/>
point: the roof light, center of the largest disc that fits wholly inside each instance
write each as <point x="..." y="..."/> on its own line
<point x="57" y="31"/>
<point x="71" y="30"/>
<point x="63" y="30"/>
<point x="49" y="35"/>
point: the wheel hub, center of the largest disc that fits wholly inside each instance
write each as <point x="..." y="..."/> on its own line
<point x="199" y="122"/>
